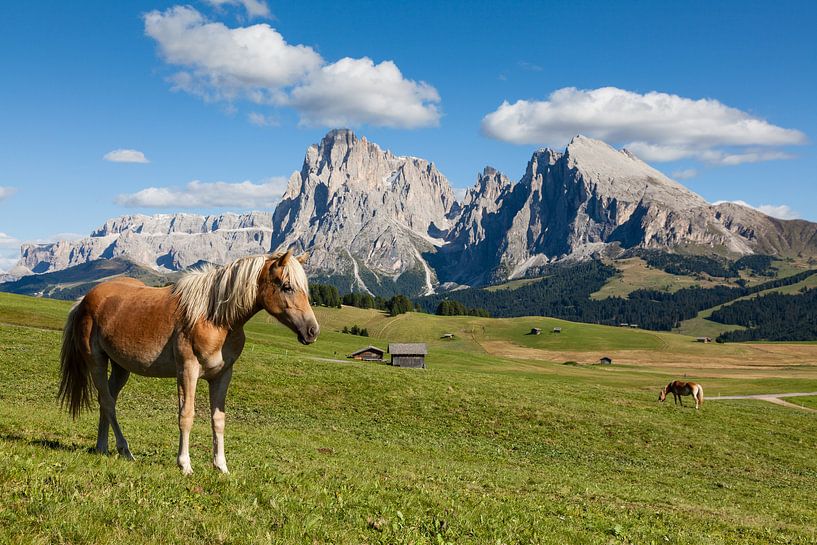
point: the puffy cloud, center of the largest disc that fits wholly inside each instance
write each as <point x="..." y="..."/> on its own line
<point x="655" y="126"/>
<point x="257" y="64"/>
<point x="6" y="192"/>
<point x="357" y="91"/>
<point x="229" y="61"/>
<point x="685" y="174"/>
<point x="197" y="194"/>
<point x="780" y="211"/>
<point x="254" y="8"/>
<point x="125" y="156"/>
<point x="9" y="252"/>
<point x="262" y="120"/>
<point x="7" y="241"/>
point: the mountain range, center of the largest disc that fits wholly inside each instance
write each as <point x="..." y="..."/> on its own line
<point x="382" y="223"/>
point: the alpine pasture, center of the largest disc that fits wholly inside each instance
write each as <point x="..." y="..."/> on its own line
<point x="496" y="442"/>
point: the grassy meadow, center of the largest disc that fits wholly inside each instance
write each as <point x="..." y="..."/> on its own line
<point x="497" y="442"/>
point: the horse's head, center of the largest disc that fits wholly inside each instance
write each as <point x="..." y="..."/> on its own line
<point x="284" y="293"/>
<point x="662" y="394"/>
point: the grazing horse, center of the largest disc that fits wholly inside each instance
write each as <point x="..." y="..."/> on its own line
<point x="678" y="389"/>
<point x="193" y="329"/>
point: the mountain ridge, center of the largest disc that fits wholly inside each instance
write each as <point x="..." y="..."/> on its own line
<point x="382" y="223"/>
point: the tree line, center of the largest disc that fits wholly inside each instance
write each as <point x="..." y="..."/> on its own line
<point x="772" y="317"/>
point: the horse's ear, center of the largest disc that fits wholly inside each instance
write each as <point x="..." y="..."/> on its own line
<point x="284" y="259"/>
<point x="303" y="258"/>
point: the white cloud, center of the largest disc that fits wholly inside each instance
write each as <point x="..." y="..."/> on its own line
<point x="8" y="241"/>
<point x="9" y="252"/>
<point x="6" y="192"/>
<point x="255" y="63"/>
<point x="780" y="211"/>
<point x="357" y="91"/>
<point x="228" y="62"/>
<point x="125" y="156"/>
<point x="655" y="126"/>
<point x="254" y="8"/>
<point x="529" y="66"/>
<point x="685" y="174"/>
<point x="262" y="120"/>
<point x="197" y="194"/>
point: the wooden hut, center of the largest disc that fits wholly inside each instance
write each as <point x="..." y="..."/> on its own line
<point x="408" y="354"/>
<point x="370" y="353"/>
<point x="447" y="336"/>
<point x="704" y="339"/>
<point x="557" y="330"/>
<point x="535" y="331"/>
<point x="606" y="360"/>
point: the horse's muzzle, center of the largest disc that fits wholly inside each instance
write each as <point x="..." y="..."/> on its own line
<point x="311" y="335"/>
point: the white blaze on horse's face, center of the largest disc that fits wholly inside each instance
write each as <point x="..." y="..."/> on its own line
<point x="286" y="296"/>
<point x="662" y="395"/>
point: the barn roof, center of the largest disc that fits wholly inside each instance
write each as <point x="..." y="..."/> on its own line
<point x="367" y="349"/>
<point x="408" y="349"/>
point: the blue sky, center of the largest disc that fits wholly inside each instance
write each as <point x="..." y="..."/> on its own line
<point x="229" y="94"/>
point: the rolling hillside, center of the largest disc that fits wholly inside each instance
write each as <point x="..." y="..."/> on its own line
<point x="476" y="448"/>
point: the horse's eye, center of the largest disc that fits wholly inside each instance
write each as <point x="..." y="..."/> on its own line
<point x="287" y="288"/>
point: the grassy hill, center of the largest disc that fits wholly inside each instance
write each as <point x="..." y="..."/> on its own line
<point x="74" y="282"/>
<point x="496" y="442"/>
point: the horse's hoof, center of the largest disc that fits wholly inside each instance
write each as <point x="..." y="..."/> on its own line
<point x="222" y="468"/>
<point x="126" y="454"/>
<point x="101" y="451"/>
<point x="185" y="466"/>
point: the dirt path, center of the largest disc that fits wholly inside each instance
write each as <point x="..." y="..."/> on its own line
<point x="773" y="398"/>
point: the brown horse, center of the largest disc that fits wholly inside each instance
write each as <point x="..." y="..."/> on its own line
<point x="678" y="389"/>
<point x="192" y="330"/>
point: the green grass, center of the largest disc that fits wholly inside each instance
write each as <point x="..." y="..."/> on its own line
<point x="475" y="449"/>
<point x="804" y="401"/>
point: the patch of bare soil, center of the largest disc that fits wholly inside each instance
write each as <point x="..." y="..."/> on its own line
<point x="747" y="356"/>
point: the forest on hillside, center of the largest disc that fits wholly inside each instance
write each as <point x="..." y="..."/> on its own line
<point x="772" y="317"/>
<point x="565" y="293"/>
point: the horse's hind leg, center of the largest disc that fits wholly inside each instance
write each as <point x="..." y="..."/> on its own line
<point x="119" y="376"/>
<point x="107" y="405"/>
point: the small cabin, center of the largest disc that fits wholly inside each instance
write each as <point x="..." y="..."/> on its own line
<point x="557" y="330"/>
<point x="622" y="324"/>
<point x="447" y="336"/>
<point x="535" y="331"/>
<point x="635" y="326"/>
<point x="408" y="355"/>
<point x="606" y="360"/>
<point x="704" y="339"/>
<point x="370" y="353"/>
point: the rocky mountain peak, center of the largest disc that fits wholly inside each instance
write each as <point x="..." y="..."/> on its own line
<point x="379" y="222"/>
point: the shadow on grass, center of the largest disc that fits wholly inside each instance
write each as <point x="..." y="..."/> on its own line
<point x="51" y="444"/>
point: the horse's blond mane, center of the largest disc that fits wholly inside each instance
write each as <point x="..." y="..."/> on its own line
<point x="224" y="294"/>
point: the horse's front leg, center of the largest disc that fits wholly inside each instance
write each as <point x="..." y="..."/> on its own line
<point x="186" y="378"/>
<point x="218" y="395"/>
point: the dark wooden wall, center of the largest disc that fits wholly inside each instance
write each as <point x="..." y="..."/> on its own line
<point x="408" y="361"/>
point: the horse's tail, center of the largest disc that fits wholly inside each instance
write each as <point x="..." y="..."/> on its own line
<point x="700" y="395"/>
<point x="75" y="383"/>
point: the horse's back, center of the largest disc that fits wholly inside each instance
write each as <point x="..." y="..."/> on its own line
<point x="133" y="322"/>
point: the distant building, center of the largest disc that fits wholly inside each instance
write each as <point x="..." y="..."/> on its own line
<point x="634" y="325"/>
<point x="370" y="353"/>
<point x="447" y="336"/>
<point x="408" y="354"/>
<point x="704" y="339"/>
<point x="623" y="325"/>
<point x="606" y="360"/>
<point x="557" y="330"/>
<point x="535" y="331"/>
